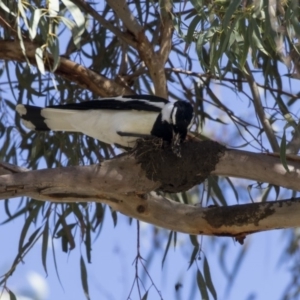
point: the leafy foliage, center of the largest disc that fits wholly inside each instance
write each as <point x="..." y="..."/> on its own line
<point x="215" y="47"/>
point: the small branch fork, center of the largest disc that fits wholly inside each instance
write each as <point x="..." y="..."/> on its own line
<point x="154" y="60"/>
<point x="84" y="77"/>
<point x="137" y="280"/>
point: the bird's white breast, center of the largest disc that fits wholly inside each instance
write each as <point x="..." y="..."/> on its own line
<point x="104" y="125"/>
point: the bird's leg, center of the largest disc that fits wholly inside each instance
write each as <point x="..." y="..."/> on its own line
<point x="176" y="145"/>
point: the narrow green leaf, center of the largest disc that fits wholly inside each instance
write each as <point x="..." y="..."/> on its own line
<point x="167" y="248"/>
<point x="34" y="22"/>
<point x="192" y="27"/>
<point x="193" y="256"/>
<point x="31" y="241"/>
<point x="283" y="152"/>
<point x="76" y="14"/>
<point x="53" y="6"/>
<point x="233" y="189"/>
<point x="99" y="214"/>
<point x="6" y="208"/>
<point x="23" y="13"/>
<point x="69" y="23"/>
<point x="5" y="8"/>
<point x="145" y="297"/>
<point x="53" y="46"/>
<point x="17" y="214"/>
<point x="84" y="281"/>
<point x="12" y="295"/>
<point x="249" y="188"/>
<point x="175" y="239"/>
<point x="256" y="37"/>
<point x="55" y="262"/>
<point x="226" y="35"/>
<point x="234" y="4"/>
<point x="22" y="46"/>
<point x="45" y="246"/>
<point x="202" y="286"/>
<point x="244" y="53"/>
<point x="236" y="266"/>
<point x="33" y="214"/>
<point x="185" y="198"/>
<point x="277" y="191"/>
<point x="39" y="60"/>
<point x="88" y="246"/>
<point x="66" y="212"/>
<point x="266" y="193"/>
<point x="213" y="182"/>
<point x="208" y="279"/>
<point x="114" y="217"/>
<point x="79" y="19"/>
<point x="295" y="22"/>
<point x="44" y="27"/>
<point x="222" y="259"/>
<point x="66" y="235"/>
<point x="194" y="240"/>
<point x="198" y="5"/>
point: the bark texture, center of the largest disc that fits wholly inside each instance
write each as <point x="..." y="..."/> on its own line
<point x="125" y="184"/>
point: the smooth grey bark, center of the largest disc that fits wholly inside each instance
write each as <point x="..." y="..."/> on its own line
<point x="122" y="184"/>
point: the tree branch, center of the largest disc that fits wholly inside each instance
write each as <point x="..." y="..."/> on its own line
<point x="166" y="30"/>
<point x="122" y="10"/>
<point x="260" y="110"/>
<point x="128" y="172"/>
<point x="260" y="167"/>
<point x="231" y="80"/>
<point x="6" y="168"/>
<point x="237" y="220"/>
<point x="152" y="60"/>
<point x="123" y="183"/>
<point x="85" y="78"/>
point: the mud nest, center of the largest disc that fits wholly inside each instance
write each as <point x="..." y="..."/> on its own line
<point x="177" y="174"/>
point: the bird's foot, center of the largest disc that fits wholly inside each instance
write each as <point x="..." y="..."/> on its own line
<point x="176" y="145"/>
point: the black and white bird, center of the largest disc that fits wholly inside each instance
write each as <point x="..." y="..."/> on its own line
<point x="119" y="120"/>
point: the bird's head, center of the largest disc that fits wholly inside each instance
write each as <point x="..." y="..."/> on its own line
<point x="180" y="115"/>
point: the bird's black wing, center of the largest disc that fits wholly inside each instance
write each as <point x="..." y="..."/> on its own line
<point x="134" y="102"/>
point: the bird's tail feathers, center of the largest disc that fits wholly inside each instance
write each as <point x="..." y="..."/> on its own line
<point x="45" y="119"/>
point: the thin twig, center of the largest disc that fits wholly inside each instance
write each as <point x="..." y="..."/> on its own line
<point x="8" y="26"/>
<point x="6" y="168"/>
<point x="152" y="282"/>
<point x="127" y="38"/>
<point x="138" y="256"/>
<point x="201" y="75"/>
<point x="260" y="110"/>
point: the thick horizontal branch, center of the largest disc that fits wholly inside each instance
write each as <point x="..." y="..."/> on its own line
<point x="119" y="175"/>
<point x="236" y="221"/>
<point x="261" y="167"/>
<point x="84" y="77"/>
<point x="124" y="184"/>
